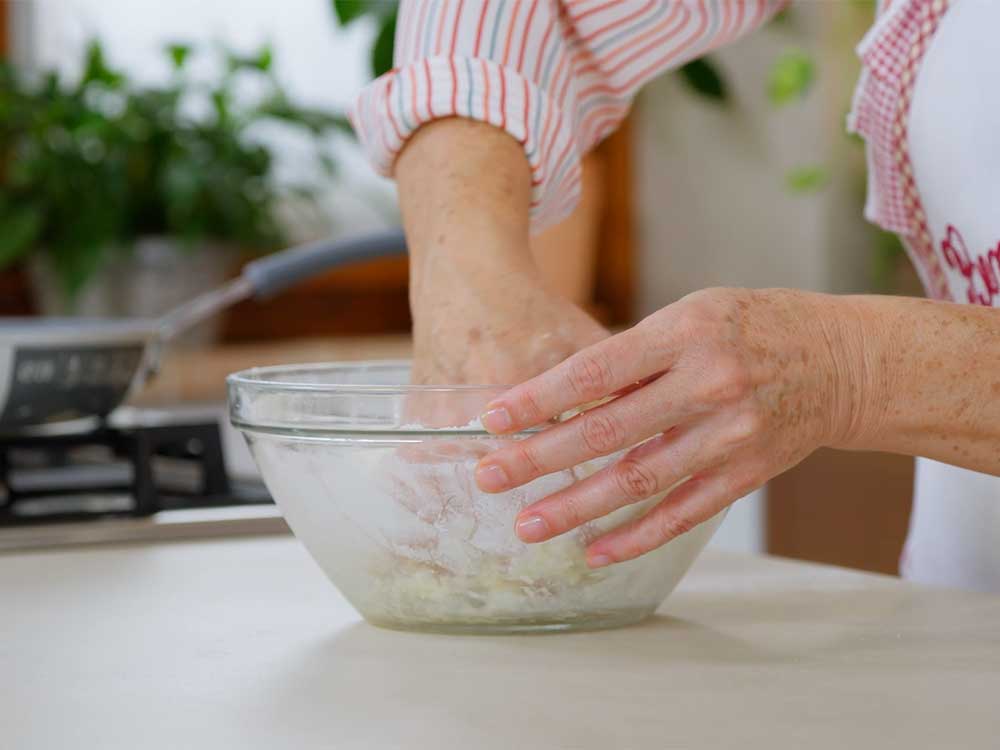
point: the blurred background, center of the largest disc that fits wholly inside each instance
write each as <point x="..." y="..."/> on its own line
<point x="148" y="150"/>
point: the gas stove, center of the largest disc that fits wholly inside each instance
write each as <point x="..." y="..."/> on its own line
<point x="142" y="475"/>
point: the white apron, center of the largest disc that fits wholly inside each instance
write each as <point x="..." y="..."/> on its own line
<point x="929" y="107"/>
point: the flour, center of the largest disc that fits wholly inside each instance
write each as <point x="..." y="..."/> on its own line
<point x="405" y="533"/>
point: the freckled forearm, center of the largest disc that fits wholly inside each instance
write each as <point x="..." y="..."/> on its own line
<point x="926" y="380"/>
<point x="464" y="190"/>
<point x="481" y="310"/>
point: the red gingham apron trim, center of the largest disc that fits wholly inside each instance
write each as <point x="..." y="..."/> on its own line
<point x="891" y="54"/>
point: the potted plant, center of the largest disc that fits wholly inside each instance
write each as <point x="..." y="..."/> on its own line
<point x="125" y="198"/>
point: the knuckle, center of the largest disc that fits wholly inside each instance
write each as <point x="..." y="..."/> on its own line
<point x="529" y="458"/>
<point x="570" y="512"/>
<point x="746" y="482"/>
<point x="709" y="314"/>
<point x="634" y="479"/>
<point x="634" y="547"/>
<point x="690" y="327"/>
<point x="745" y="428"/>
<point x="654" y="531"/>
<point x="591" y="376"/>
<point x="729" y="382"/>
<point x="602" y="433"/>
<point x="671" y="526"/>
<point x="700" y="300"/>
<point x="531" y="410"/>
<point x="702" y="307"/>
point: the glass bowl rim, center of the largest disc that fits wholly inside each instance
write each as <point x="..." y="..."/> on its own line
<point x="256" y="377"/>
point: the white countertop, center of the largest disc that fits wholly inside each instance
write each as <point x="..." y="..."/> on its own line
<point x="244" y="644"/>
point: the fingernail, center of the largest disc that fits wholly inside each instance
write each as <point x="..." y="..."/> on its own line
<point x="599" y="561"/>
<point x="492" y="478"/>
<point x="532" y="529"/>
<point x="497" y="419"/>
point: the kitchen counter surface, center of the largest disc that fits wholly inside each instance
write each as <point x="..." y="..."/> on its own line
<point x="244" y="644"/>
<point x="199" y="375"/>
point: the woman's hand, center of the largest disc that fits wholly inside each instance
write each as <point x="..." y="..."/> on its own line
<point x="719" y="392"/>
<point x="481" y="312"/>
<point x="502" y="330"/>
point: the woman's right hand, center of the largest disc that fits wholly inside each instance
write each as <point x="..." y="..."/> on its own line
<point x="497" y="333"/>
<point x="500" y="332"/>
<point x="481" y="314"/>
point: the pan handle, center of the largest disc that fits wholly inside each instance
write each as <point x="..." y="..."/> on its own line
<point x="272" y="274"/>
<point x="275" y="273"/>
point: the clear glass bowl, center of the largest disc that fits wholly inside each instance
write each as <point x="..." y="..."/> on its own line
<point x="375" y="477"/>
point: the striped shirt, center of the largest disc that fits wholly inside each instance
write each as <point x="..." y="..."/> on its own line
<point x="557" y="75"/>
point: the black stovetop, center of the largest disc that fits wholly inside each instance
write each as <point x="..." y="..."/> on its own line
<point x="104" y="470"/>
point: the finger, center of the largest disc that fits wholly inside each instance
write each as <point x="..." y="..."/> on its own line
<point x="601" y="431"/>
<point x="694" y="502"/>
<point x="589" y="375"/>
<point x="638" y="384"/>
<point x="651" y="468"/>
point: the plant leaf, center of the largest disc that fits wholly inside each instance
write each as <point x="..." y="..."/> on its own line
<point x="179" y="54"/>
<point x="350" y="10"/>
<point x="782" y="17"/>
<point x="382" y="50"/>
<point x="261" y="62"/>
<point x="80" y="178"/>
<point x="342" y="124"/>
<point x="328" y="163"/>
<point x="75" y="264"/>
<point x="19" y="229"/>
<point x="265" y="59"/>
<point x="791" y="77"/>
<point x="704" y="78"/>
<point x="96" y="69"/>
<point x="808" y="179"/>
<point x="220" y="103"/>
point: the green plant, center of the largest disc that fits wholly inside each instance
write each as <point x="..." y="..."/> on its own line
<point x="807" y="179"/>
<point x="383" y="13"/>
<point x="791" y="77"/>
<point x="89" y="165"/>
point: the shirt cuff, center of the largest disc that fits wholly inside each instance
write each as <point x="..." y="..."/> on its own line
<point x="394" y="106"/>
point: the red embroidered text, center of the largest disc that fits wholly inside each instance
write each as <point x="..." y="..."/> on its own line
<point x="982" y="272"/>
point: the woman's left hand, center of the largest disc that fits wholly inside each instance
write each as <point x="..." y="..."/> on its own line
<point x="719" y="392"/>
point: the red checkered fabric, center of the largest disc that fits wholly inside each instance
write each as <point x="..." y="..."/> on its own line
<point x="891" y="54"/>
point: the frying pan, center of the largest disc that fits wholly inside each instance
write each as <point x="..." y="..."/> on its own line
<point x="57" y="369"/>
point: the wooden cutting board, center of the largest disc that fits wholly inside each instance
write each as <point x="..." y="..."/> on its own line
<point x="200" y="375"/>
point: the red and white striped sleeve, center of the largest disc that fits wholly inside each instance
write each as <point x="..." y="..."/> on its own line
<point x="558" y="75"/>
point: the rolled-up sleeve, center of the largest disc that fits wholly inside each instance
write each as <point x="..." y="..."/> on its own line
<point x="556" y="75"/>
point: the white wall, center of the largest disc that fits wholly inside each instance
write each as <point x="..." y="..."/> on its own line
<point x="713" y="206"/>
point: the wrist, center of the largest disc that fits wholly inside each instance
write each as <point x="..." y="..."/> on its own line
<point x="461" y="267"/>
<point x="860" y="351"/>
<point x="466" y="219"/>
